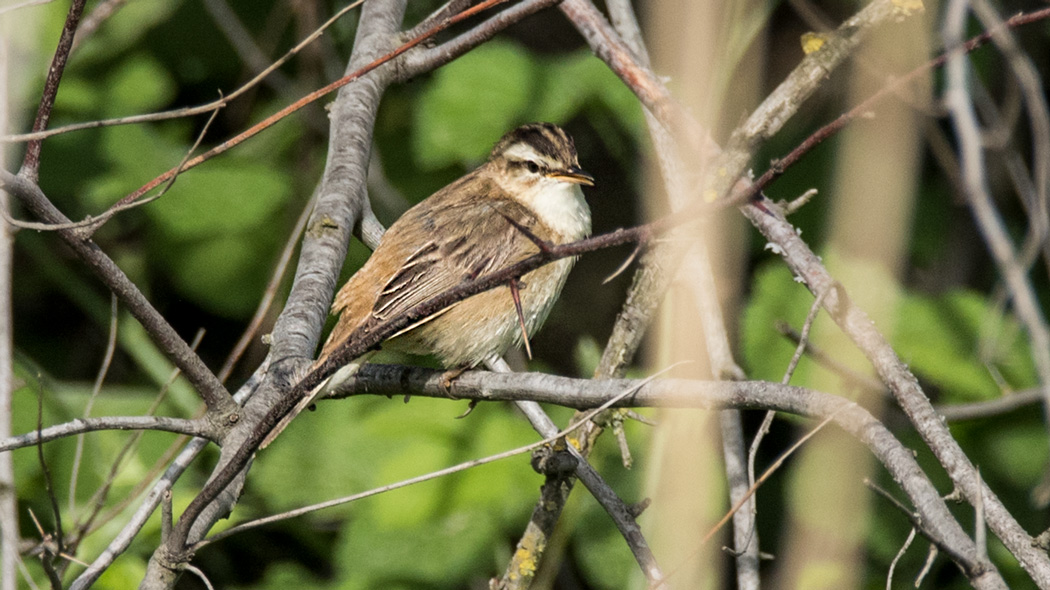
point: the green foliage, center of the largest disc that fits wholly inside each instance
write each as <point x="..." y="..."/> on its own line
<point x="206" y="248"/>
<point x="953" y="341"/>
<point x="1018" y="455"/>
<point x="490" y="87"/>
<point x="956" y="340"/>
<point x="499" y="85"/>
<point x="775" y="297"/>
<point x="446" y="528"/>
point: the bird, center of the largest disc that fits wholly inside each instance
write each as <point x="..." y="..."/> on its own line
<point x="527" y="190"/>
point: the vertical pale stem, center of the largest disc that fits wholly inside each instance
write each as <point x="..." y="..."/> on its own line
<point x="8" y="495"/>
<point x="685" y="478"/>
<point x="871" y="202"/>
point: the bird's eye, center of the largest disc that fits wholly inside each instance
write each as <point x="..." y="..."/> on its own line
<point x="532" y="166"/>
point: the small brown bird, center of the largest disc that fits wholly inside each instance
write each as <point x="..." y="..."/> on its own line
<point x="532" y="177"/>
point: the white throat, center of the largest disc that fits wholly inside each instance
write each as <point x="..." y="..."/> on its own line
<point x="561" y="206"/>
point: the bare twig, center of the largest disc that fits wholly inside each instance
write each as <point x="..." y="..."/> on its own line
<point x="79" y="426"/>
<point x="49" y="486"/>
<point x="295" y="335"/>
<point x="107" y="358"/>
<point x="87" y="523"/>
<point x="1035" y="102"/>
<point x="31" y="161"/>
<point x="583" y="393"/>
<point x="613" y="505"/>
<point x="767" y="421"/>
<point x="89" y="225"/>
<point x="993" y="230"/>
<point x="252" y="524"/>
<point x="773" y="468"/>
<point x="200" y="575"/>
<point x="213" y="393"/>
<point x="94" y="19"/>
<point x="991" y="408"/>
<point x="897" y="558"/>
<point x="893" y="372"/>
<point x="190" y="111"/>
<point x="310" y="98"/>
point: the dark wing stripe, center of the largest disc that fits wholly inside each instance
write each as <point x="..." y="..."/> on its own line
<point x="430" y="270"/>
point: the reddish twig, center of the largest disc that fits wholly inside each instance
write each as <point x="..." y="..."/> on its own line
<point x="778" y="167"/>
<point x="309" y="98"/>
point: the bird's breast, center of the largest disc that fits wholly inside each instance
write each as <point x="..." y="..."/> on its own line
<point x="560" y="206"/>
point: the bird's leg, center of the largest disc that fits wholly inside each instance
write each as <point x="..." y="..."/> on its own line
<point x="515" y="293"/>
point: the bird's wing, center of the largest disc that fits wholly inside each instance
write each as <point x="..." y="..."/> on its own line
<point x="487" y="242"/>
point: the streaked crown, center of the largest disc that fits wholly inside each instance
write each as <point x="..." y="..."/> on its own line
<point x="539" y="150"/>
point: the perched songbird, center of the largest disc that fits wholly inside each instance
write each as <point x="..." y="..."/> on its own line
<point x="479" y="224"/>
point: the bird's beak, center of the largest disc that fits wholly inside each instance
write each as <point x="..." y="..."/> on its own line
<point x="573" y="175"/>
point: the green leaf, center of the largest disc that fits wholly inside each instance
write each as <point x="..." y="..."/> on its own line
<point x="445" y="553"/>
<point x="1019" y="455"/>
<point x="941" y="339"/>
<point x="220" y="198"/>
<point x="472" y="102"/>
<point x="775" y="297"/>
<point x="570" y="84"/>
<point x="223" y="274"/>
<point x="139" y="85"/>
<point x="131" y="23"/>
<point x="505" y="489"/>
<point x="78" y="98"/>
<point x="135" y="154"/>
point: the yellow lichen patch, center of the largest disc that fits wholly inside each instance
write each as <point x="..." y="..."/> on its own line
<point x="322" y="225"/>
<point x="813" y="42"/>
<point x="905" y="8"/>
<point x="710" y="195"/>
<point x="526" y="557"/>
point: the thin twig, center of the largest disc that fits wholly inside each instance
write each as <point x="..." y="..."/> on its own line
<point x="49" y="486"/>
<point x="31" y="161"/>
<point x="310" y="98"/>
<point x="897" y="558"/>
<point x="162" y="333"/>
<point x="86" y="525"/>
<point x="90" y="23"/>
<point x="767" y="421"/>
<point x="107" y="359"/>
<point x="89" y="225"/>
<point x="750" y="492"/>
<point x="79" y="426"/>
<point x="989" y="221"/>
<point x="576" y="424"/>
<point x="190" y="111"/>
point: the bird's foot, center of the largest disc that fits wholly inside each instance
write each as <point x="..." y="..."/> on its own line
<point x="448" y="377"/>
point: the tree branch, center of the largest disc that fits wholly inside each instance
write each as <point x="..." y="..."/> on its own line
<point x="197" y="427"/>
<point x="909" y="395"/>
<point x="341" y="199"/>
<point x="390" y="380"/>
<point x="31" y="161"/>
<point x="222" y="409"/>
